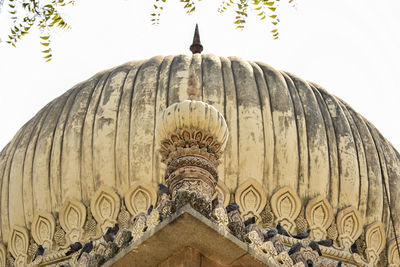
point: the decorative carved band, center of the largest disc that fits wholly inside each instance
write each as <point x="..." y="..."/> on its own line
<point x="193" y="180"/>
<point x="190" y="142"/>
<point x="76" y="224"/>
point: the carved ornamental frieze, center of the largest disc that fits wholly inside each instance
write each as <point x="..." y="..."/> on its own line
<point x="111" y="226"/>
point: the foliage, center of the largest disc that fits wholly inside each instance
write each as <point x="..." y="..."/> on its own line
<point x="42" y="14"/>
<point x="46" y="15"/>
<point x="262" y="8"/>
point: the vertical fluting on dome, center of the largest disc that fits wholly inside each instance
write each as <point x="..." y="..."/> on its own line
<point x="192" y="136"/>
<point x="273" y="118"/>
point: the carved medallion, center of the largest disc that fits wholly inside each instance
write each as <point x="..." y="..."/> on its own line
<point x="105" y="206"/>
<point x="349" y="224"/>
<point x="139" y="198"/>
<point x="251" y="198"/>
<point x="393" y="255"/>
<point x="375" y="238"/>
<point x="72" y="220"/>
<point x="319" y="216"/>
<point x="3" y="255"/>
<point x="18" y="245"/>
<point x="42" y="229"/>
<point x="286" y="206"/>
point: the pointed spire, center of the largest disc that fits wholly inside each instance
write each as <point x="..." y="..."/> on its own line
<point x="196" y="47"/>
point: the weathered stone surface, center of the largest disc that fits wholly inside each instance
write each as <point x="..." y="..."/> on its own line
<point x="187" y="237"/>
<point x="285" y="132"/>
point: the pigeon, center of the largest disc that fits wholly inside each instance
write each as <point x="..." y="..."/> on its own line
<point x="73" y="248"/>
<point x="108" y="236"/>
<point x="162" y="189"/>
<point x="303" y="235"/>
<point x="150" y="209"/>
<point x="270" y="234"/>
<point x="295" y="248"/>
<point x="111" y="232"/>
<point x="310" y="263"/>
<point x="126" y="238"/>
<point x="231" y="207"/>
<point x="249" y="221"/>
<point x="339" y="264"/>
<point x="39" y="252"/>
<point x="314" y="245"/>
<point x="281" y="230"/>
<point x="115" y="229"/>
<point x="326" y="242"/>
<point x="86" y="248"/>
<point x="354" y="248"/>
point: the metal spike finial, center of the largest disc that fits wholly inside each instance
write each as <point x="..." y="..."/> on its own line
<point x="196" y="46"/>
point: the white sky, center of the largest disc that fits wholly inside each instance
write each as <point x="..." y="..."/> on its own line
<point x="351" y="47"/>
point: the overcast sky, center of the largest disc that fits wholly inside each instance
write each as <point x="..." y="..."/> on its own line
<point x="352" y="48"/>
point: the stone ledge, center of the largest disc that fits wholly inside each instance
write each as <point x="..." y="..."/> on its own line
<point x="187" y="228"/>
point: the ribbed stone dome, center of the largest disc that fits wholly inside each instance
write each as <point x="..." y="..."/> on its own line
<point x="284" y="132"/>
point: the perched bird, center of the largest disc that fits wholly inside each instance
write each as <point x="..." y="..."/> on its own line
<point x="314" y="245"/>
<point x="281" y="230"/>
<point x="86" y="248"/>
<point x="126" y="238"/>
<point x="73" y="248"/>
<point x="249" y="221"/>
<point x="231" y="207"/>
<point x="111" y="232"/>
<point x="109" y="236"/>
<point x="310" y="263"/>
<point x="295" y="248"/>
<point x="39" y="252"/>
<point x="339" y="264"/>
<point x="303" y="235"/>
<point x="150" y="209"/>
<point x="270" y="234"/>
<point x="162" y="189"/>
<point x="115" y="229"/>
<point x="354" y="248"/>
<point x="326" y="242"/>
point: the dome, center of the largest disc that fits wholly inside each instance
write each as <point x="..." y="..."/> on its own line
<point x="284" y="134"/>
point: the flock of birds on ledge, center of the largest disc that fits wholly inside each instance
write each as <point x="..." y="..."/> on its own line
<point x="279" y="229"/>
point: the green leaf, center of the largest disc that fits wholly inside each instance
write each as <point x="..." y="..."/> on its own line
<point x="44" y="37"/>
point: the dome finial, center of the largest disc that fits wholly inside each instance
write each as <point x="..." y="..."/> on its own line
<point x="196" y="46"/>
